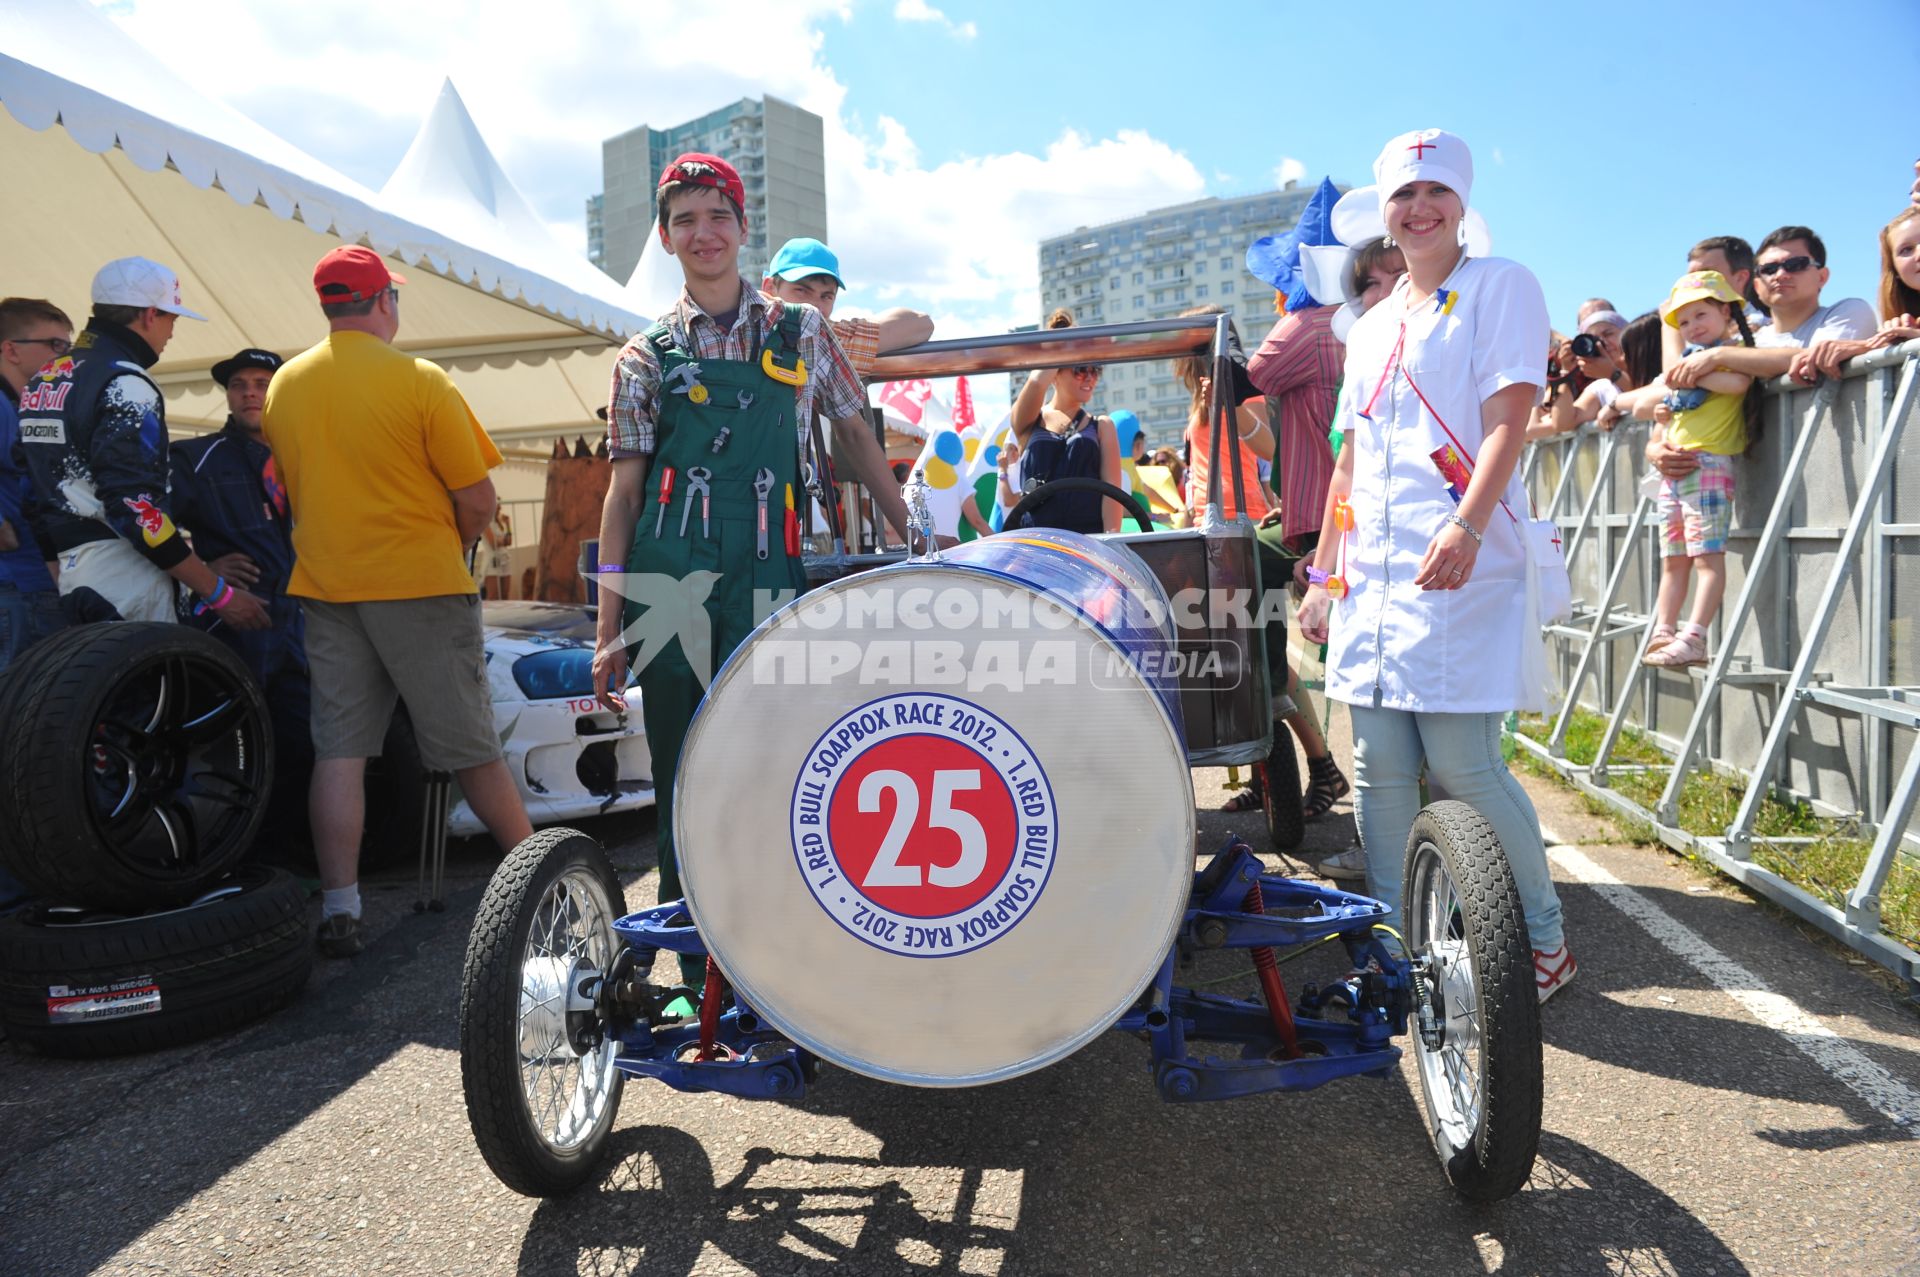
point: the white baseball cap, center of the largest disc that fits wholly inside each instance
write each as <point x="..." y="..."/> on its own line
<point x="136" y="281"/>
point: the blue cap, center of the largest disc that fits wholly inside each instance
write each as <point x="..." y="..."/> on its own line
<point x="799" y="258"/>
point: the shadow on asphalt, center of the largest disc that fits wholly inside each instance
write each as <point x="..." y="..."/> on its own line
<point x="659" y="1208"/>
<point x="1718" y="1052"/>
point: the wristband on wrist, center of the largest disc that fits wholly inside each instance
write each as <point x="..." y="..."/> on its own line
<point x="1316" y="577"/>
<point x="613" y="567"/>
<point x="1472" y="531"/>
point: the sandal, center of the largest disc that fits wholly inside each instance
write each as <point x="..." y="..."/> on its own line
<point x="1325" y="787"/>
<point x="1661" y="636"/>
<point x="1249" y="798"/>
<point x="1687" y="649"/>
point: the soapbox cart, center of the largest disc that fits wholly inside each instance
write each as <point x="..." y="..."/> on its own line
<point x="903" y="854"/>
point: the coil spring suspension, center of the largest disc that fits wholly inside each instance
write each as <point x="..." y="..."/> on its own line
<point x="1271" y="989"/>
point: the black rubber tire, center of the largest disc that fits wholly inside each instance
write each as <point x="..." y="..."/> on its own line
<point x="1495" y="1161"/>
<point x="213" y="964"/>
<point x="490" y="991"/>
<point x="1280" y="792"/>
<point x="59" y="840"/>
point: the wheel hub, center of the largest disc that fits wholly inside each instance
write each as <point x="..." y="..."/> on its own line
<point x="558" y="1015"/>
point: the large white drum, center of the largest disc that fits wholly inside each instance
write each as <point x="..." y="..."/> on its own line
<point x="935" y="822"/>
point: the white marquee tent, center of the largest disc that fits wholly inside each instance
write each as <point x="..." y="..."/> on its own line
<point x="145" y="163"/>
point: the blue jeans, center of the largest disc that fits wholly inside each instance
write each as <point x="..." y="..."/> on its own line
<point x="1462" y="757"/>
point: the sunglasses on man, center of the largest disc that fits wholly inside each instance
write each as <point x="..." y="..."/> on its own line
<point x="1085" y="370"/>
<point x="1791" y="265"/>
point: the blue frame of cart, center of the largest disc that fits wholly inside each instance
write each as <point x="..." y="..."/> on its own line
<point x="1373" y="1001"/>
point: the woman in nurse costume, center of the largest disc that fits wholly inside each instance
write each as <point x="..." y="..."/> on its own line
<point x="1421" y="572"/>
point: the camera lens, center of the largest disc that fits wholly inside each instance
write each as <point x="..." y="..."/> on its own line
<point x="1586" y="345"/>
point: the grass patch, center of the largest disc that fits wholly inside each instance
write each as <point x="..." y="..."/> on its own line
<point x="1826" y="867"/>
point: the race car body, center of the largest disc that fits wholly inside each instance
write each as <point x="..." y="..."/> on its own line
<point x="570" y="757"/>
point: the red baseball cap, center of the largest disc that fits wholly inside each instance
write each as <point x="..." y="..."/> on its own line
<point x="707" y="170"/>
<point x="351" y="273"/>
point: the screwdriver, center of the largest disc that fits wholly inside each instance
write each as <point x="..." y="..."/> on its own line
<point x="793" y="526"/>
<point x="666" y="495"/>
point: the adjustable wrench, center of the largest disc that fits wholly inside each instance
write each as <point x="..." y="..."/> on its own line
<point x="762" y="487"/>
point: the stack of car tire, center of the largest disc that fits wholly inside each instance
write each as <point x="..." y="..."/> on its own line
<point x="135" y="763"/>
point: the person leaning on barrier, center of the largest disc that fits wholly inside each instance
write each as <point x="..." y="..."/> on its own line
<point x="1790" y="270"/>
<point x="1899" y="299"/>
<point x="807" y="272"/>
<point x="1640" y="353"/>
<point x="33" y="333"/>
<point x="385" y="470"/>
<point x="1733" y="258"/>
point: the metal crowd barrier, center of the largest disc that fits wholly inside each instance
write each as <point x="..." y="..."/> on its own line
<point x="1813" y="691"/>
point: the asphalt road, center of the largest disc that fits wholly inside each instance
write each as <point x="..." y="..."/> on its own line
<point x="1684" y="1134"/>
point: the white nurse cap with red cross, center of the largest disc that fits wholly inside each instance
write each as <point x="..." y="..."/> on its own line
<point x="1425" y="155"/>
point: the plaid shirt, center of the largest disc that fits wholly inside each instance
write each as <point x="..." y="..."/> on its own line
<point x="860" y="338"/>
<point x="832" y="385"/>
<point x="1298" y="368"/>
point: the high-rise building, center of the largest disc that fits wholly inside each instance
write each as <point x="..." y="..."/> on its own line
<point x="597" y="231"/>
<point x="1158" y="264"/>
<point x="779" y="149"/>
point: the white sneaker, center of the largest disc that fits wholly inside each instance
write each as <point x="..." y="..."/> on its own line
<point x="1552" y="968"/>
<point x="1349" y="866"/>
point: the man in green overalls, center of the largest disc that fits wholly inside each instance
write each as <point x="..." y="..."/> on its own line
<point x="709" y="413"/>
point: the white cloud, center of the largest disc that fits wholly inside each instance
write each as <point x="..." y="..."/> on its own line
<point x="1499" y="157"/>
<point x="958" y="239"/>
<point x="921" y="11"/>
<point x="1290" y="170"/>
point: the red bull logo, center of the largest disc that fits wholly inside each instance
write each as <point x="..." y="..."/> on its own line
<point x="155" y="526"/>
<point x="55" y="368"/>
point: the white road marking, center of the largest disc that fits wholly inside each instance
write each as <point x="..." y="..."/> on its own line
<point x="1887" y="1094"/>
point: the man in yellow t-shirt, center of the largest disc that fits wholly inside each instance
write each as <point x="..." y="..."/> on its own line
<point x="385" y="469"/>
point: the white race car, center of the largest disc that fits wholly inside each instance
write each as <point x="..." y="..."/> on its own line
<point x="570" y="757"/>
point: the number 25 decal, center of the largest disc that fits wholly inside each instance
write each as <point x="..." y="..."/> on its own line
<point x="886" y="870"/>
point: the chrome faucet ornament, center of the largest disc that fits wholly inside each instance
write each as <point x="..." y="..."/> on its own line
<point x="919" y="515"/>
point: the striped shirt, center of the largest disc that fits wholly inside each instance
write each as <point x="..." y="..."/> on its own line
<point x="1298" y="368"/>
<point x="633" y="405"/>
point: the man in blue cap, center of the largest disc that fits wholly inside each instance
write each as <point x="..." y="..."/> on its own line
<point x="807" y="271"/>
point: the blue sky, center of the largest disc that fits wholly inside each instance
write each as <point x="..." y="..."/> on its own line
<point x="1607" y="139"/>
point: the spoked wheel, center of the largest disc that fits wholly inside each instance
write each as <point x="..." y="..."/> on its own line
<point x="536" y="1060"/>
<point x="136" y="766"/>
<point x="1477" y="1032"/>
<point x="1280" y="792"/>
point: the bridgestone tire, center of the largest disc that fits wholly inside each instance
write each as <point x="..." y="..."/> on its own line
<point x="1490" y="1156"/>
<point x="77" y="984"/>
<point x="1280" y="792"/>
<point x="135" y="764"/>
<point x="493" y="991"/>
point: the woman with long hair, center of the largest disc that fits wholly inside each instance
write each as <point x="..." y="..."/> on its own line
<point x="1426" y="531"/>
